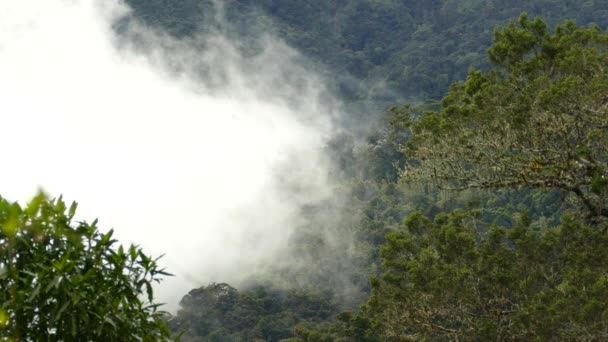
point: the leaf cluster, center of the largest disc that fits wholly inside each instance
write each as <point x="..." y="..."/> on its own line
<point x="61" y="280"/>
<point x="416" y="48"/>
<point x="219" y="312"/>
<point x="444" y="280"/>
<point x="538" y="120"/>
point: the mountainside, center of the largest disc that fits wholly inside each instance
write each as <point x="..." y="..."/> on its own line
<point x="415" y="48"/>
<point x="423" y="247"/>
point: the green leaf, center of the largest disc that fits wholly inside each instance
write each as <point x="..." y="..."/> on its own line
<point x="110" y="321"/>
<point x="61" y="310"/>
<point x="54" y="283"/>
<point x="60" y="205"/>
<point x="11" y="225"/>
<point x="133" y="252"/>
<point x="35" y="293"/>
<point x="4" y="319"/>
<point x="34" y="205"/>
<point x="72" y="210"/>
<point x="149" y="291"/>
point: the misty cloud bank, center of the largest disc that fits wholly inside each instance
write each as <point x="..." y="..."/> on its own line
<point x="193" y="148"/>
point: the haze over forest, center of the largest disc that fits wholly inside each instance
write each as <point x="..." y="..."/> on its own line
<point x="348" y="170"/>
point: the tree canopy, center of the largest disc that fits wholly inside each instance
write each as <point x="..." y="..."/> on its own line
<point x="501" y="258"/>
<point x="61" y="280"/>
<point x="539" y="119"/>
<point x="415" y="48"/>
<point x="219" y="312"/>
<point x="535" y="122"/>
<point x="447" y="280"/>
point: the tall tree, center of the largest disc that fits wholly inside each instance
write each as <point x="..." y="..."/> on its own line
<point x="64" y="281"/>
<point x="539" y="119"/>
<point x="444" y="280"/>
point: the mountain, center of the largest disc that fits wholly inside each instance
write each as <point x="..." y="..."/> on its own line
<point x="414" y="48"/>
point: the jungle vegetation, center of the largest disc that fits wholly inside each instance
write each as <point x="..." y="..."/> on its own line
<point x="476" y="211"/>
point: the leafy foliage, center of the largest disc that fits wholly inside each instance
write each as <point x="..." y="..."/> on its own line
<point x="416" y="48"/>
<point x="65" y="281"/>
<point x="219" y="312"/>
<point x="444" y="279"/>
<point x="539" y="120"/>
<point x="518" y="138"/>
<point x="536" y="123"/>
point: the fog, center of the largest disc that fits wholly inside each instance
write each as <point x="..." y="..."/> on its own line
<point x="185" y="147"/>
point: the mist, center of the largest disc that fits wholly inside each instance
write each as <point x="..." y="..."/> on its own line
<point x="186" y="147"/>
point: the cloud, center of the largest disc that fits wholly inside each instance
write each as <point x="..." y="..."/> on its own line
<point x="185" y="147"/>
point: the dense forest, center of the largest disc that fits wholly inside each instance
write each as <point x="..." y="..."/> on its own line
<point x="409" y="49"/>
<point x="477" y="210"/>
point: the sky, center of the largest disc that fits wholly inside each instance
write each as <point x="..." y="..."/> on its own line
<point x="181" y="162"/>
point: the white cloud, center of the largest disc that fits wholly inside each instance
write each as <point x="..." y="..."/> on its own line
<point x="176" y="163"/>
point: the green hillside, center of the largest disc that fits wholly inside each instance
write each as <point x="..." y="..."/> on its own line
<point x="416" y="48"/>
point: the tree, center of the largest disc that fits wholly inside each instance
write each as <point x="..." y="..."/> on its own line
<point x="219" y="312"/>
<point x="446" y="280"/>
<point x="539" y="119"/>
<point x="61" y="280"/>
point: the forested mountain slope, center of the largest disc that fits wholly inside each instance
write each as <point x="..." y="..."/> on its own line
<point x="498" y="263"/>
<point x="416" y="48"/>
